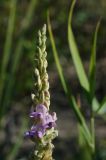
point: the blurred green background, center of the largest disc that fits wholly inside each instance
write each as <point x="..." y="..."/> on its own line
<point x="20" y="21"/>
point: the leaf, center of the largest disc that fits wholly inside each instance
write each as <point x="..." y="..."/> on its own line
<point x="17" y="55"/>
<point x="7" y="47"/>
<point x="55" y="54"/>
<point x="71" y="99"/>
<point x="11" y="79"/>
<point x="92" y="67"/>
<point x="102" y="108"/>
<point x="9" y="35"/>
<point x="75" y="53"/>
<point x="95" y="104"/>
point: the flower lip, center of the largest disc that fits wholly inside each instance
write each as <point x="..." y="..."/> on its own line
<point x="30" y="133"/>
<point x="36" y="115"/>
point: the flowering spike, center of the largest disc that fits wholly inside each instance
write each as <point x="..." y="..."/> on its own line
<point x="42" y="84"/>
<point x="43" y="130"/>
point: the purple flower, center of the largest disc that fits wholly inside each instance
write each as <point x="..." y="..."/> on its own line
<point x="41" y="108"/>
<point x="54" y="116"/>
<point x="44" y="122"/>
<point x="35" y="115"/>
<point x="39" y="130"/>
<point x="30" y="134"/>
<point x="40" y="112"/>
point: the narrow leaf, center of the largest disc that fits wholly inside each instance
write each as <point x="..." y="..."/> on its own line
<point x="92" y="67"/>
<point x="7" y="46"/>
<point x="55" y="54"/>
<point x="75" y="53"/>
<point x="18" y="54"/>
<point x="95" y="104"/>
<point x="12" y="79"/>
<point x="102" y="108"/>
<point x="9" y="35"/>
<point x="71" y="99"/>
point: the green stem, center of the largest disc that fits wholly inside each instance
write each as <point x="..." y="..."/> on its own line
<point x="93" y="134"/>
<point x="85" y="150"/>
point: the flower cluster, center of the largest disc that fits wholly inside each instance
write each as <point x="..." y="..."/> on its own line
<point x="43" y="121"/>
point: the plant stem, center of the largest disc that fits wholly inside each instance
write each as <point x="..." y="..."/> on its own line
<point x="93" y="134"/>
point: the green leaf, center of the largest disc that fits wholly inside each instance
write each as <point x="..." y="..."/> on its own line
<point x="95" y="104"/>
<point x="55" y="54"/>
<point x="17" y="55"/>
<point x="71" y="98"/>
<point x="75" y="53"/>
<point x="9" y="35"/>
<point x="92" y="67"/>
<point x="7" y="46"/>
<point x="102" y="108"/>
<point x="11" y="80"/>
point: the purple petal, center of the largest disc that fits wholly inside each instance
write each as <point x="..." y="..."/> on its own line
<point x="40" y="134"/>
<point x="26" y="134"/>
<point x="54" y="116"/>
<point x="33" y="128"/>
<point x="46" y="119"/>
<point x="33" y="114"/>
<point x="36" y="115"/>
<point x="49" y="118"/>
<point x="32" y="132"/>
<point x="29" y="133"/>
<point x="41" y="129"/>
<point x="41" y="108"/>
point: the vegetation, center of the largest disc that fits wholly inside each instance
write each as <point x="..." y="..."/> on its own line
<point x="19" y="22"/>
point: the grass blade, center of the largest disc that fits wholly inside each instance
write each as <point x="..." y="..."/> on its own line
<point x="9" y="37"/>
<point x="102" y="108"/>
<point x="28" y="17"/>
<point x="12" y="79"/>
<point x="18" y="53"/>
<point x="95" y="104"/>
<point x="55" y="54"/>
<point x="75" y="53"/>
<point x="7" y="46"/>
<point x="92" y="67"/>
<point x="71" y="99"/>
